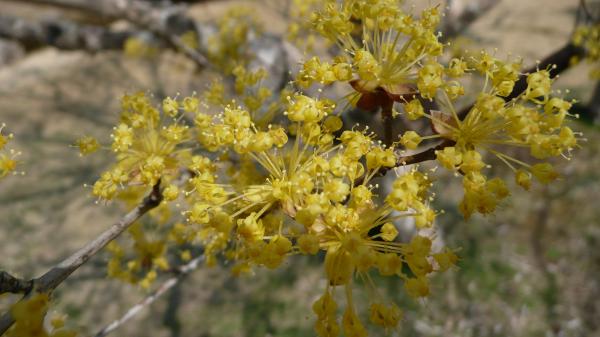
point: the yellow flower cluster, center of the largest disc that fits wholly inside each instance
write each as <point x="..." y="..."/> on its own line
<point x="260" y="194"/>
<point x="8" y="162"/>
<point x="228" y="47"/>
<point x="150" y="258"/>
<point x="148" y="145"/>
<point x="534" y="120"/>
<point x="387" y="53"/>
<point x="29" y="316"/>
<point x="299" y="29"/>
<point x="588" y="38"/>
<point x="262" y="178"/>
<point x="252" y="94"/>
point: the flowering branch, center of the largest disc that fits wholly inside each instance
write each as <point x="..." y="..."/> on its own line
<point x="180" y="272"/>
<point x="557" y="62"/>
<point x="55" y="276"/>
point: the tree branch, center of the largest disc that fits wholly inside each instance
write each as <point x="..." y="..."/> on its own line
<point x="181" y="272"/>
<point x="55" y="276"/>
<point x="588" y="13"/>
<point x="426" y="155"/>
<point x="166" y="22"/>
<point x="11" y="284"/>
<point x="61" y="34"/>
<point x="460" y="16"/>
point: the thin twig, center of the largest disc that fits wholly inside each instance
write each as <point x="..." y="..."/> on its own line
<point x="426" y="155"/>
<point x="388" y="126"/>
<point x="586" y="10"/>
<point x="181" y="272"/>
<point x="55" y="276"/>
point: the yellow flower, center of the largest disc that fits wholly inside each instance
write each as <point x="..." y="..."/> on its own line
<point x="190" y="104"/>
<point x="449" y="157"/>
<point x="8" y="161"/>
<point x="250" y="228"/>
<point x="29" y="317"/>
<point x="122" y="138"/>
<point x="411" y="140"/>
<point x="533" y="120"/>
<point x="352" y="325"/>
<point x="385" y="316"/>
<point x="523" y="179"/>
<point x="430" y="79"/>
<point x="446" y="259"/>
<point x="7" y="165"/>
<point x="4" y="139"/>
<point x="389" y="231"/>
<point x="417" y="287"/>
<point x="171" y="193"/>
<point x="308" y="244"/>
<point x="87" y="145"/>
<point x="414" y="110"/>
<point x="170" y="107"/>
<point x="544" y="172"/>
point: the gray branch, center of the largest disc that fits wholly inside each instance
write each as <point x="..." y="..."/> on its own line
<point x="166" y="22"/>
<point x="55" y="276"/>
<point x="61" y="34"/>
<point x="181" y="272"/>
<point x="459" y="16"/>
<point x="11" y="284"/>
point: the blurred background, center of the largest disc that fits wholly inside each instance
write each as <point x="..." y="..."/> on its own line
<point x="531" y="269"/>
